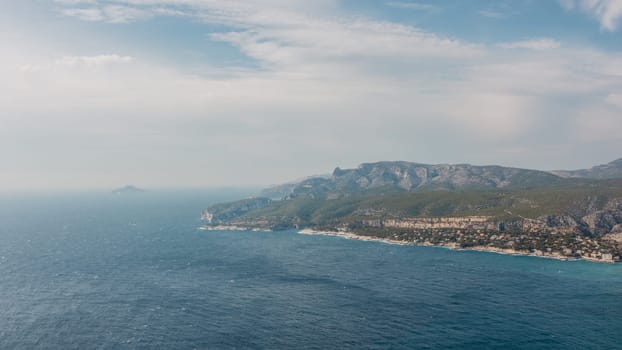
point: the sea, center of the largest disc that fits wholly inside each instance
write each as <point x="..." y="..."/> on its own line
<point x="103" y="271"/>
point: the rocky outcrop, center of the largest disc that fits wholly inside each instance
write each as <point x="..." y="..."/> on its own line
<point x="467" y="222"/>
<point x="603" y="222"/>
<point x="599" y="223"/>
<point x="463" y="223"/>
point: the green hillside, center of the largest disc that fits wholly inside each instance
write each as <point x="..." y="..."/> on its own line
<point x="575" y="197"/>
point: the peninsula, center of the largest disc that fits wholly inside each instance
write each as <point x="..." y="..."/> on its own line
<point x="561" y="214"/>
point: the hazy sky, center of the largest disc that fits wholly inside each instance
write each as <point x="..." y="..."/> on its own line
<point x="101" y="93"/>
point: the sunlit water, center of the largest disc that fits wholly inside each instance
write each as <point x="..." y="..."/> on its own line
<point x="134" y="272"/>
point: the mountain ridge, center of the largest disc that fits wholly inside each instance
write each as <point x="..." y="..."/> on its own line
<point x="490" y="207"/>
<point x="411" y="176"/>
<point x="609" y="170"/>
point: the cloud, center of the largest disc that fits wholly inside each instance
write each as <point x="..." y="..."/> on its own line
<point x="75" y="2"/>
<point x="492" y="14"/>
<point x="615" y="100"/>
<point x="416" y="6"/>
<point x="29" y="68"/>
<point x="532" y="44"/>
<point x="335" y="88"/>
<point x="111" y="13"/>
<point x="593" y="124"/>
<point x="608" y="12"/>
<point x="85" y="14"/>
<point x="285" y="30"/>
<point x="93" y="61"/>
<point x="501" y="9"/>
<point x="119" y="13"/>
<point x="358" y="41"/>
<point x="225" y="12"/>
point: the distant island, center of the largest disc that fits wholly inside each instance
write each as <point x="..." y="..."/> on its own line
<point x="129" y="189"/>
<point x="558" y="214"/>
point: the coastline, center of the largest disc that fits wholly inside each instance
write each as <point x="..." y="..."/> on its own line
<point x="487" y="249"/>
<point x="232" y="228"/>
<point x="351" y="235"/>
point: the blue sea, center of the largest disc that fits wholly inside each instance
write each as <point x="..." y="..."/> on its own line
<point x="101" y="271"/>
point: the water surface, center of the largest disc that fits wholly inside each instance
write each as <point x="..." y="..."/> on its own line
<point x="97" y="271"/>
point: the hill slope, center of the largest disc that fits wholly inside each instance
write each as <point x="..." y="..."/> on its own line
<point x="610" y="170"/>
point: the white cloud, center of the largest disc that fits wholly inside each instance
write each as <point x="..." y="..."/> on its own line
<point x="112" y="13"/>
<point x="75" y="2"/>
<point x="285" y="30"/>
<point x="333" y="88"/>
<point x="357" y="41"/>
<point x="417" y="6"/>
<point x="492" y="116"/>
<point x="93" y="61"/>
<point x="608" y="12"/>
<point x="85" y="14"/>
<point x="532" y="44"/>
<point x="227" y="12"/>
<point x="572" y="73"/>
<point x="124" y="14"/>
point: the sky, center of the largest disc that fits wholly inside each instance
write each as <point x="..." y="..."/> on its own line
<point x="209" y="93"/>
